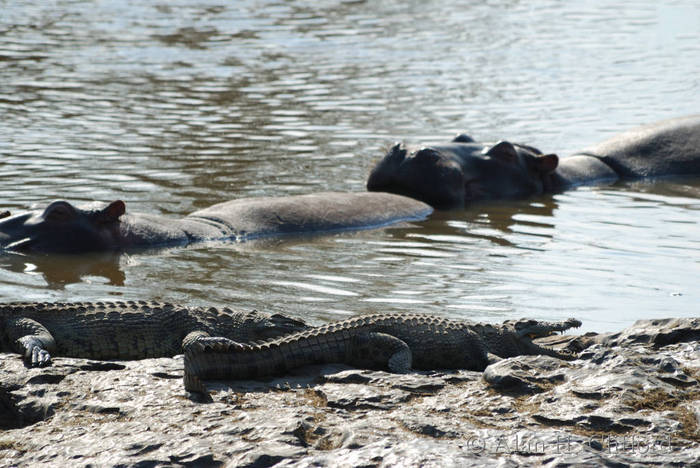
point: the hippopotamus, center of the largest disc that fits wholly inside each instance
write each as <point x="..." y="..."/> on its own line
<point x="64" y="228"/>
<point x="463" y="171"/>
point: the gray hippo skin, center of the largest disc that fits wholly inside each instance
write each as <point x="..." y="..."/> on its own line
<point x="64" y="228"/>
<point x="462" y="171"/>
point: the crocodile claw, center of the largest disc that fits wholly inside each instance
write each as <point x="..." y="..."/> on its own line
<point x="37" y="356"/>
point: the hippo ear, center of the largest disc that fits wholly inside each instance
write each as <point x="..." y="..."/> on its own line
<point x="113" y="211"/>
<point x="396" y="153"/>
<point x="504" y="151"/>
<point x="463" y="138"/>
<point x="547" y="163"/>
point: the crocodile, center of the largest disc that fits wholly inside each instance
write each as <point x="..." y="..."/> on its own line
<point x="125" y="330"/>
<point x="395" y="342"/>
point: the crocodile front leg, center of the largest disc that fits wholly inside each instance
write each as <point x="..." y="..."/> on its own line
<point x="30" y="339"/>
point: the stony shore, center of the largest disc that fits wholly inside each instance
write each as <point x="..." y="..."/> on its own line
<point x="633" y="398"/>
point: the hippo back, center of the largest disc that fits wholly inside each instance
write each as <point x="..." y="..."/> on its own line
<point x="670" y="147"/>
<point x="253" y="218"/>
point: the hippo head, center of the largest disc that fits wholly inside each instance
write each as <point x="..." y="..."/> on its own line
<point x="460" y="172"/>
<point x="61" y="228"/>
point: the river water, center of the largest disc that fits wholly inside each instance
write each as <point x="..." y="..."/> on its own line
<point x="177" y="105"/>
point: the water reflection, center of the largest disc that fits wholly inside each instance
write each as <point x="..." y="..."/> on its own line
<point x="677" y="191"/>
<point x="58" y="271"/>
<point x="522" y="224"/>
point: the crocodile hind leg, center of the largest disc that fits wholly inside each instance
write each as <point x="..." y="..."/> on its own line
<point x="376" y="350"/>
<point x="31" y="339"/>
<point x="195" y="345"/>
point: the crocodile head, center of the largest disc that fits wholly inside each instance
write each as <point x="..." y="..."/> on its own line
<point x="526" y="330"/>
<point x="533" y="329"/>
<point x="61" y="228"/>
<point x="248" y="326"/>
<point x="514" y="337"/>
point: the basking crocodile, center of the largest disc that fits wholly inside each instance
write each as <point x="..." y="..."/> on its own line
<point x="397" y="342"/>
<point x="124" y="330"/>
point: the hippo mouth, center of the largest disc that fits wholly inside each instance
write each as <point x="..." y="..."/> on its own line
<point x="383" y="175"/>
<point x="425" y="174"/>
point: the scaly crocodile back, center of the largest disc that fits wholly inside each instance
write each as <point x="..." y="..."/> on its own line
<point x="137" y="329"/>
<point x="397" y="342"/>
<point x="434" y="342"/>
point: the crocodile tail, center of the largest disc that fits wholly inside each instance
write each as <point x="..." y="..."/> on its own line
<point x="193" y="343"/>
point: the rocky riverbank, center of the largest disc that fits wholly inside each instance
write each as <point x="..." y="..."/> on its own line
<point x="632" y="398"/>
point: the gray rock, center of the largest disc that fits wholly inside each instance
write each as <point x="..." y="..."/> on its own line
<point x="656" y="332"/>
<point x="631" y="399"/>
<point x="526" y="374"/>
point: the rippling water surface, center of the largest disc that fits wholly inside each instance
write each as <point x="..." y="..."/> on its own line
<point x="179" y="105"/>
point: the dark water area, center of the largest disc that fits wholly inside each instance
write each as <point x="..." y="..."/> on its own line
<point x="175" y="106"/>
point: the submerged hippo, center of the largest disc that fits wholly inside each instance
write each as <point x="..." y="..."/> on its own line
<point x="462" y="171"/>
<point x="64" y="228"/>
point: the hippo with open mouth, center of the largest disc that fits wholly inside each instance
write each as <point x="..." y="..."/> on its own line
<point x="64" y="228"/>
<point x="458" y="173"/>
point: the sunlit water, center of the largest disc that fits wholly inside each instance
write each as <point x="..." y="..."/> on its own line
<point x="179" y="105"/>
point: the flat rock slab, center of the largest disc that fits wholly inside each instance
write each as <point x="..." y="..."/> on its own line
<point x="628" y="400"/>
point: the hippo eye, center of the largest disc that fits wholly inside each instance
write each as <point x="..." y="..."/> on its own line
<point x="58" y="211"/>
<point x="428" y="155"/>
